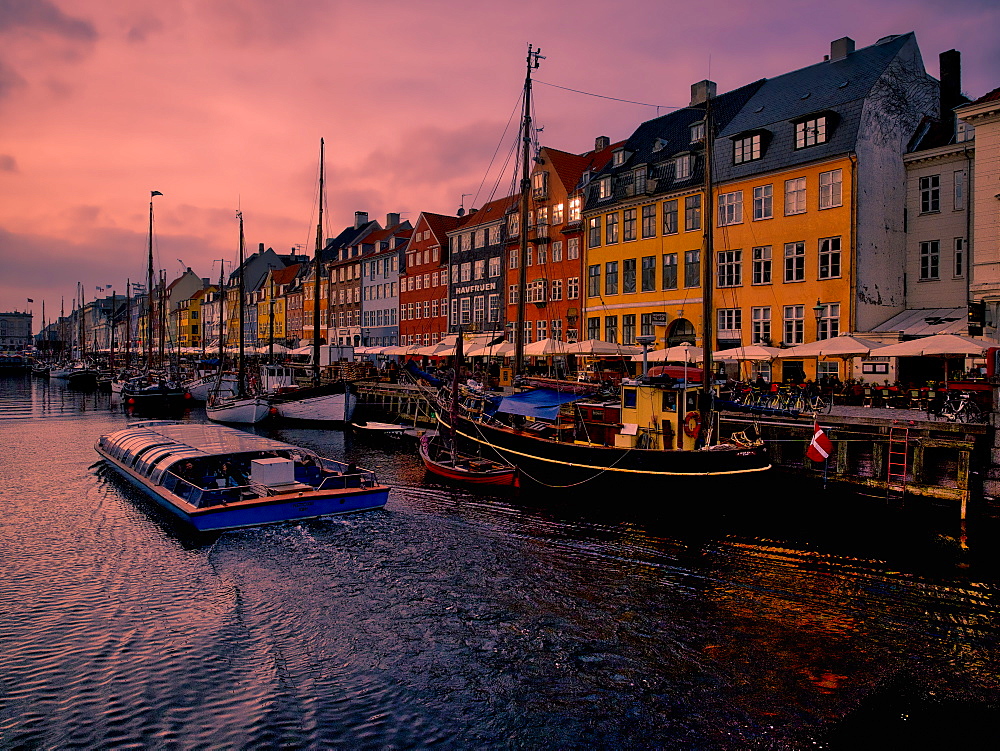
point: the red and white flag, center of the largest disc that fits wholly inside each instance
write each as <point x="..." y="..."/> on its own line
<point x="820" y="446"/>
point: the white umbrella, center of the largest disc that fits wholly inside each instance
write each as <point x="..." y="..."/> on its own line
<point x="844" y="346"/>
<point x="939" y="344"/>
<point x="680" y="353"/>
<point x="545" y="348"/>
<point x="503" y="349"/>
<point x="598" y="347"/>
<point x="752" y="353"/>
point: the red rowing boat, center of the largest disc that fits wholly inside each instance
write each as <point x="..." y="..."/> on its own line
<point x="441" y="459"/>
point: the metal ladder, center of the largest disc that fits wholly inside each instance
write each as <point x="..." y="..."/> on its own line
<point x="895" y="487"/>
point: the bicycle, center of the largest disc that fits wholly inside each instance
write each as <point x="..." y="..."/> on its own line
<point x="961" y="407"/>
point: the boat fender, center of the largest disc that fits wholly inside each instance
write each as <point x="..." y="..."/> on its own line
<point x="692" y="422"/>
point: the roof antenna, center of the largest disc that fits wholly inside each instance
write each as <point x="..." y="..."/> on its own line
<point x="461" y="209"/>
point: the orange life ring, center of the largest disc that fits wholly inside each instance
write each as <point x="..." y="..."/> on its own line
<point x="692" y="422"/>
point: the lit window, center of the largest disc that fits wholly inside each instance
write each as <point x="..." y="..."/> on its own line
<point x="682" y="167"/>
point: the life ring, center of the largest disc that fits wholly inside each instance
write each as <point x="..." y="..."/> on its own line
<point x="692" y="422"/>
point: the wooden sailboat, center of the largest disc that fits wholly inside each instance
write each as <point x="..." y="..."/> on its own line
<point x="657" y="432"/>
<point x="241" y="407"/>
<point x="319" y="402"/>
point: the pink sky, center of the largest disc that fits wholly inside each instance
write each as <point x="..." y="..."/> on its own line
<point x="220" y="104"/>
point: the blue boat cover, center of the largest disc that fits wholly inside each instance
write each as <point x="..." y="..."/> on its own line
<point x="543" y="403"/>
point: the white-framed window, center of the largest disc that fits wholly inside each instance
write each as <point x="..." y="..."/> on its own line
<point x="573" y="288"/>
<point x="729" y="271"/>
<point x="811" y="132"/>
<point x="434" y="309"/>
<point x="829" y="321"/>
<point x="454" y="312"/>
<point x="466" y="272"/>
<point x="795" y="262"/>
<point x="536" y="291"/>
<point x="575" y="209"/>
<point x="692" y="213"/>
<point x="494" y="237"/>
<point x="466" y="310"/>
<point x="930" y="194"/>
<point x="495" y="266"/>
<point x="480" y="238"/>
<point x="557" y="214"/>
<point x="793" y="319"/>
<point x="604" y="189"/>
<point x="958" y="264"/>
<point x="668" y="279"/>
<point x="930" y="260"/>
<point x="514" y="224"/>
<point x="541" y="329"/>
<point x="557" y="251"/>
<point x="682" y="167"/>
<point x="730" y="208"/>
<point x="729" y="322"/>
<point x="528" y="329"/>
<point x="572" y="248"/>
<point x="479" y="269"/>
<point x="611" y="229"/>
<point x="557" y="329"/>
<point x="494" y="308"/>
<point x="746" y="149"/>
<point x="829" y="258"/>
<point x="618" y="157"/>
<point x="454" y="274"/>
<point x="795" y="196"/>
<point x="698" y="132"/>
<point x="479" y="309"/>
<point x="761" y="265"/>
<point x="760" y="326"/>
<point x="513" y="259"/>
<point x="831" y="189"/>
<point x="763" y="202"/>
<point x="542" y="222"/>
<point x="539" y="185"/>
<point x="512" y="294"/>
<point x="594" y="232"/>
<point x="649" y="220"/>
<point x="557" y="289"/>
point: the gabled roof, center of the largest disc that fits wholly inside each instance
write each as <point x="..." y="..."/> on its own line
<point x="440" y="224"/>
<point x="285" y="275"/>
<point x="993" y="96"/>
<point x="491" y="212"/>
<point x="570" y="167"/>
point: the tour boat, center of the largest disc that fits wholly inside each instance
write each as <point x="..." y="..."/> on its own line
<point x="215" y="477"/>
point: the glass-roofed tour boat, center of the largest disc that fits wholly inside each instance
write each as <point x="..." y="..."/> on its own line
<point x="216" y="477"/>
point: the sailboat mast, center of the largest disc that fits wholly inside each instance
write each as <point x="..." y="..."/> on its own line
<point x="149" y="286"/>
<point x="128" y="319"/>
<point x="319" y="253"/>
<point x="707" y="279"/>
<point x="241" y="369"/>
<point x="522" y="267"/>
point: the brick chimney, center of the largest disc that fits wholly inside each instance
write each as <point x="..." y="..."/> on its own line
<point x="360" y="217"/>
<point x="841" y="48"/>
<point x="601" y="143"/>
<point x="951" y="83"/>
<point x="701" y="92"/>
<point x="391" y="220"/>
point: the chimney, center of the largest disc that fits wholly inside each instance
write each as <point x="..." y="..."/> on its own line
<point x="601" y="143"/>
<point x="260" y="248"/>
<point x="360" y="217"/>
<point x="391" y="220"/>
<point x="841" y="48"/>
<point x="951" y="84"/>
<point x="701" y="92"/>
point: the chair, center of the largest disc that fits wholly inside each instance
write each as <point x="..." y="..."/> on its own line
<point x="916" y="399"/>
<point x="867" y="396"/>
<point x="886" y="396"/>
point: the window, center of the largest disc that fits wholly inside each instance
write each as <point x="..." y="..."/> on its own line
<point x="535" y="291"/>
<point x="611" y="278"/>
<point x="494" y="267"/>
<point x="958" y="268"/>
<point x="454" y="311"/>
<point x="542" y="222"/>
<point x="729" y="322"/>
<point x="557" y="251"/>
<point x="930" y="259"/>
<point x="557" y="329"/>
<point x="648" y="273"/>
<point x="761" y="260"/>
<point x="513" y="259"/>
<point x="730" y="208"/>
<point x="730" y="264"/>
<point x="649" y="220"/>
<point x="575" y="209"/>
<point x="795" y="262"/>
<point x="795" y="196"/>
<point x="831" y="189"/>
<point x="763" y="202"/>
<point x="628" y="329"/>
<point x="466" y="272"/>
<point x="466" y="310"/>
<point x="557" y="214"/>
<point x="527" y="332"/>
<point x="611" y="229"/>
<point x="628" y="224"/>
<point x="669" y="271"/>
<point x="628" y="276"/>
<point x="478" y="270"/>
<point x="512" y="294"/>
<point x="494" y="308"/>
<point x="594" y="328"/>
<point x="573" y="288"/>
<point x="557" y="289"/>
<point x="829" y="258"/>
<point x="543" y="255"/>
<point x="930" y="194"/>
<point x="611" y="328"/>
<point x="604" y="188"/>
<point x="959" y="204"/>
<point x="639" y="180"/>
<point x="618" y="157"/>
<point x="670" y="217"/>
<point x="514" y="224"/>
<point x="573" y="249"/>
<point x="539" y="185"/>
<point x="646" y="325"/>
<point x="811" y="132"/>
<point x="692" y="213"/>
<point x="594" y="280"/>
<point x="594" y="232"/>
<point x="494" y="238"/>
<point x="829" y="321"/>
<point x="760" y="323"/>
<point x="746" y="149"/>
<point x="698" y="132"/>
<point x="682" y="167"/>
<point x="542" y="329"/>
<point x="964" y="132"/>
<point x="794" y="323"/>
<point x="692" y="268"/>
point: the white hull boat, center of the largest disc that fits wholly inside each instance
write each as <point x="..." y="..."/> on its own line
<point x="245" y="411"/>
<point x="322" y="407"/>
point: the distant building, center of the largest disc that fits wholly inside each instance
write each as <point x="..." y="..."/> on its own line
<point x="15" y="331"/>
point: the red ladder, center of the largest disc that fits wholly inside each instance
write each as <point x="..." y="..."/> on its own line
<point x="895" y="487"/>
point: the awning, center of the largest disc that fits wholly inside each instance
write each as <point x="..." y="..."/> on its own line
<point x="925" y="322"/>
<point x="543" y="403"/>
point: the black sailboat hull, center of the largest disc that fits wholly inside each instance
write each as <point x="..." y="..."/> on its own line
<point x="560" y="464"/>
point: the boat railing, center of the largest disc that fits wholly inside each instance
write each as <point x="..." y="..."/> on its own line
<point x="205" y="497"/>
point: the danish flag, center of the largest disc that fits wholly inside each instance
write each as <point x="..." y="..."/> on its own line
<point x="820" y="446"/>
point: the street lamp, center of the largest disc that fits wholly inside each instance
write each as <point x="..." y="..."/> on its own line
<point x="818" y="310"/>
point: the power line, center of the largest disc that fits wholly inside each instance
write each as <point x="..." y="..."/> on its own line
<point x="612" y="98"/>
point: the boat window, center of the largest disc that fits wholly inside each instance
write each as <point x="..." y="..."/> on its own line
<point x="597" y="414"/>
<point x="628" y="399"/>
<point x="690" y="401"/>
<point x="669" y="401"/>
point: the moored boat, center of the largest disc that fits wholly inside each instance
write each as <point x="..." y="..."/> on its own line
<point x="216" y="477"/>
<point x="441" y="458"/>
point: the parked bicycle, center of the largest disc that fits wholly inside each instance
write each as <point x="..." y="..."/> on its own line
<point x="961" y="407"/>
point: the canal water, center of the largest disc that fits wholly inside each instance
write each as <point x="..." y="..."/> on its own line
<point x="458" y="619"/>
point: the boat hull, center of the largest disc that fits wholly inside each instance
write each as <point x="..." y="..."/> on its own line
<point x="316" y="405"/>
<point x="558" y="464"/>
<point x="468" y="472"/>
<point x="200" y="388"/>
<point x="241" y="411"/>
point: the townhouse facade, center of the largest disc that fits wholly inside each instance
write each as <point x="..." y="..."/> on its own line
<point x="379" y="311"/>
<point x="423" y="281"/>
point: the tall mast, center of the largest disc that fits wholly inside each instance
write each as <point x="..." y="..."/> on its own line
<point x="708" y="263"/>
<point x="522" y="267"/>
<point x="128" y="319"/>
<point x="241" y="370"/>
<point x="318" y="264"/>
<point x="222" y="312"/>
<point x="149" y="286"/>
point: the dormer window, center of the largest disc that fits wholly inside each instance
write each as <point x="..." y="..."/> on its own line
<point x="747" y="148"/>
<point x="811" y="132"/>
<point x="659" y="144"/>
<point x="604" y="188"/>
<point x="618" y="157"/>
<point x="698" y="132"/>
<point x="964" y="132"/>
<point x="540" y="185"/>
<point x="683" y="166"/>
